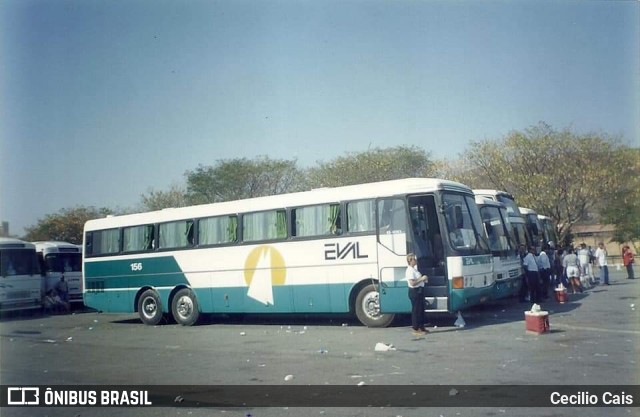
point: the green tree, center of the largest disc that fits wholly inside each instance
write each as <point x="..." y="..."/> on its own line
<point x="622" y="206"/>
<point x="66" y="225"/>
<point x="241" y="178"/>
<point x="371" y="166"/>
<point x="176" y="196"/>
<point x="561" y="174"/>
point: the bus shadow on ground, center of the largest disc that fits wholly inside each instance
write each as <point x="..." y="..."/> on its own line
<point x="511" y="310"/>
<point x="39" y="313"/>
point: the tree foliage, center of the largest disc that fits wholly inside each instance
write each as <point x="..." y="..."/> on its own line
<point x="622" y="206"/>
<point x="371" y="166"/>
<point x="66" y="225"/>
<point x="176" y="196"/>
<point x="560" y="174"/>
<point x="240" y="178"/>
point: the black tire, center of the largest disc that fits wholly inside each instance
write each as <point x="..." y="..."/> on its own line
<point x="367" y="308"/>
<point x="150" y="308"/>
<point x="185" y="307"/>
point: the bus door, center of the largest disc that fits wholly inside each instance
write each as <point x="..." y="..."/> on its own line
<point x="392" y="249"/>
<point x="426" y="243"/>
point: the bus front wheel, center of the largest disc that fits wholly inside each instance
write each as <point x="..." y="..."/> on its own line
<point x="368" y="308"/>
<point x="150" y="307"/>
<point x="185" y="307"/>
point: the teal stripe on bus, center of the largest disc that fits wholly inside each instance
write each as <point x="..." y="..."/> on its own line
<point x="131" y="273"/>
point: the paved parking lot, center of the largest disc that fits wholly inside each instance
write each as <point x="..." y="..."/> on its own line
<point x="594" y="340"/>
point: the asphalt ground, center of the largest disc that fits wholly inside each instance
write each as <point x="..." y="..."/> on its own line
<point x="593" y="340"/>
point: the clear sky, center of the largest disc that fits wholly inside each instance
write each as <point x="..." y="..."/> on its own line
<point x="101" y="101"/>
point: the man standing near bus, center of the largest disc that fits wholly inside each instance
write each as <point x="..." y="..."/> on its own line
<point x="62" y="289"/>
<point x="627" y="260"/>
<point x="601" y="258"/>
<point x="415" y="281"/>
<point x="533" y="277"/>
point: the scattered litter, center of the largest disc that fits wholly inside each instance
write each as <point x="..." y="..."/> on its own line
<point x="632" y="306"/>
<point x="600" y="354"/>
<point x="69" y="339"/>
<point x="288" y="377"/>
<point x="453" y="392"/>
<point x="50" y="341"/>
<point x="304" y="328"/>
<point x="178" y="399"/>
<point x="361" y="383"/>
<point x="344" y="324"/>
<point x="262" y="365"/>
<point x="95" y="321"/>
<point x="322" y="351"/>
<point x="90" y="328"/>
<point x="383" y="347"/>
<point x="243" y="333"/>
<point x="459" y="321"/>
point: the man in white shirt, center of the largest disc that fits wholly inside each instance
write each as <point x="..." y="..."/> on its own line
<point x="533" y="278"/>
<point x="544" y="268"/>
<point x="415" y="282"/>
<point x="601" y="258"/>
<point x="585" y="266"/>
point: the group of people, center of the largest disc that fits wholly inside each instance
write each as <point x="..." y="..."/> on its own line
<point x="57" y="299"/>
<point x="543" y="273"/>
<point x="573" y="268"/>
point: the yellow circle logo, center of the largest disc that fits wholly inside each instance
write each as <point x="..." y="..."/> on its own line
<point x="265" y="258"/>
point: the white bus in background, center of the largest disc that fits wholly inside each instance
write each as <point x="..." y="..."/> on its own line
<point x="507" y="269"/>
<point x="516" y="219"/>
<point x="549" y="233"/>
<point x="61" y="258"/>
<point x="534" y="227"/>
<point x="20" y="278"/>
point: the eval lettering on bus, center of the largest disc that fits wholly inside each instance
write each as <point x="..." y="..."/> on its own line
<point x="335" y="251"/>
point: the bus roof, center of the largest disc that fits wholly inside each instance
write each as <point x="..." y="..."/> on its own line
<point x="9" y="242"/>
<point x="315" y="196"/>
<point x="50" y="245"/>
<point x="484" y="191"/>
<point x="483" y="201"/>
<point x="525" y="210"/>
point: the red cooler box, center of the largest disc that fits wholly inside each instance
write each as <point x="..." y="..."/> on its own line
<point x="562" y="296"/>
<point x="537" y="322"/>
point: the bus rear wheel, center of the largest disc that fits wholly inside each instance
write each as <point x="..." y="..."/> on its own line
<point x="185" y="307"/>
<point x="150" y="307"/>
<point x="368" y="308"/>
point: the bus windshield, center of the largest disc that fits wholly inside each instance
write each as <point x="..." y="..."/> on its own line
<point x="512" y="207"/>
<point x="499" y="241"/>
<point x="520" y="233"/>
<point x="63" y="262"/>
<point x="463" y="223"/>
<point x="18" y="262"/>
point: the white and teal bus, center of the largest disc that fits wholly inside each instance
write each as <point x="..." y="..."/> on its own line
<point x="549" y="233"/>
<point x="59" y="259"/>
<point x="516" y="219"/>
<point x="534" y="227"/>
<point x="507" y="268"/>
<point x="20" y="278"/>
<point x="330" y="250"/>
